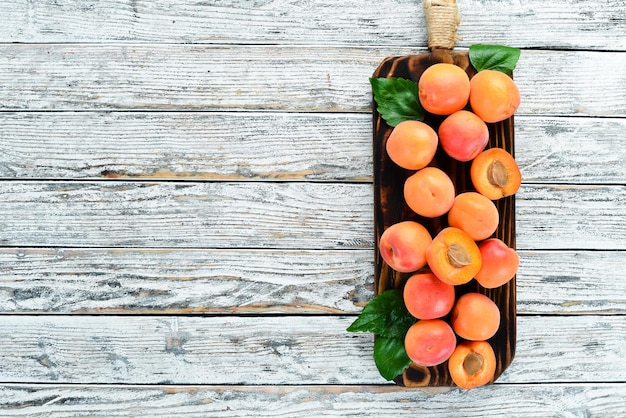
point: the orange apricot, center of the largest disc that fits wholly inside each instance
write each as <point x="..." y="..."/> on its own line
<point x="443" y="89"/>
<point x="453" y="256"/>
<point x="429" y="192"/>
<point x="429" y="342"/>
<point x="500" y="263"/>
<point x="403" y="246"/>
<point x="494" y="96"/>
<point x="472" y="364"/>
<point x="495" y="174"/>
<point x="427" y="297"/>
<point x="463" y="135"/>
<point x="475" y="214"/>
<point x="475" y="317"/>
<point x="412" y="144"/>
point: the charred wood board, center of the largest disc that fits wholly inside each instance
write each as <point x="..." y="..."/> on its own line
<point x="390" y="208"/>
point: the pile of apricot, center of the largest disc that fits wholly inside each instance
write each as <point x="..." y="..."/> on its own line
<point x="454" y="329"/>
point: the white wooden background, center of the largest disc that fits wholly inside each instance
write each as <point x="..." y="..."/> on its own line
<point x="186" y="222"/>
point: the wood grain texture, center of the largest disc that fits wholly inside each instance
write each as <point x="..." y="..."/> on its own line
<point x="225" y="211"/>
<point x="533" y="23"/>
<point x="158" y="281"/>
<point x="205" y="215"/>
<point x="204" y="77"/>
<point x="556" y="400"/>
<point x="571" y="282"/>
<point x="279" y="215"/>
<point x="273" y="146"/>
<point x="571" y="149"/>
<point x="198" y="146"/>
<point x="590" y="217"/>
<point x="267" y="350"/>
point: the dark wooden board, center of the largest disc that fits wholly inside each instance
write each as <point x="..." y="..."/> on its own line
<point x="390" y="208"/>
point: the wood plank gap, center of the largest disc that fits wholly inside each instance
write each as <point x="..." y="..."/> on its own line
<point x="572" y="184"/>
<point x="389" y="386"/>
<point x="191" y="180"/>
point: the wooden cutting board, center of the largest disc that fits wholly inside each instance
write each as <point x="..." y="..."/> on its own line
<point x="390" y="208"/>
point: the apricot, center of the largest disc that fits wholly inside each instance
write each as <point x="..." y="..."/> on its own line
<point x="453" y="256"/>
<point x="443" y="89"/>
<point x="495" y="174"/>
<point x="412" y="144"/>
<point x="403" y="246"/>
<point x="475" y="214"/>
<point x="500" y="263"/>
<point x="463" y="135"/>
<point x="429" y="342"/>
<point x="472" y="364"/>
<point x="475" y="317"/>
<point x="427" y="297"/>
<point x="494" y="96"/>
<point x="429" y="192"/>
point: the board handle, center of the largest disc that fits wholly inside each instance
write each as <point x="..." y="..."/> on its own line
<point x="442" y="21"/>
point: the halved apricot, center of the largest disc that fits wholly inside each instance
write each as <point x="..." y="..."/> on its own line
<point x="453" y="256"/>
<point x="472" y="364"/>
<point x="495" y="174"/>
<point x="475" y="214"/>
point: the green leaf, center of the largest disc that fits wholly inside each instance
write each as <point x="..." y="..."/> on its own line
<point x="397" y="100"/>
<point x="390" y="356"/>
<point x="494" y="57"/>
<point x="385" y="315"/>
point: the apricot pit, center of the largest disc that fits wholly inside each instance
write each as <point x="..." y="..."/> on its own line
<point x="453" y="256"/>
<point x="472" y="364"/>
<point x="495" y="174"/>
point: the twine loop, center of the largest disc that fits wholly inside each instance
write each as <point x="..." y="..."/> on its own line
<point x="442" y="20"/>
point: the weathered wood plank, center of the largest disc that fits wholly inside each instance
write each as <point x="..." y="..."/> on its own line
<point x="163" y="145"/>
<point x="271" y="146"/>
<point x="215" y="215"/>
<point x="271" y="215"/>
<point x="200" y="77"/>
<point x="273" y="350"/>
<point x="184" y="281"/>
<point x="532" y="23"/>
<point x="571" y="282"/>
<point x="164" y="281"/>
<point x="597" y="400"/>
<point x="571" y="150"/>
<point x="571" y="217"/>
